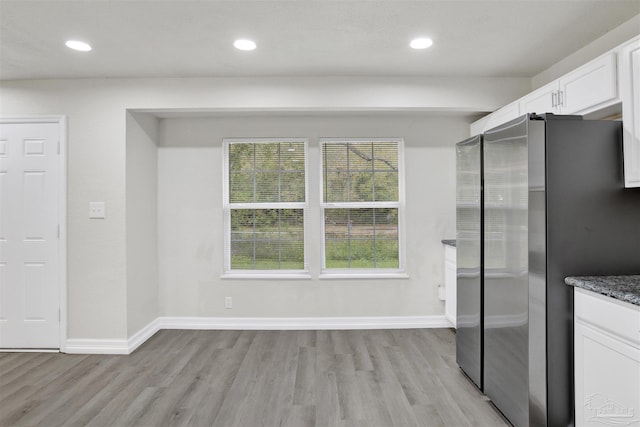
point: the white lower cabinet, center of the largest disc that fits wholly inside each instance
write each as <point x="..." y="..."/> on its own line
<point x="450" y="283"/>
<point x="607" y="361"/>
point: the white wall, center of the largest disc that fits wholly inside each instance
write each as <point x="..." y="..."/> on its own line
<point x="191" y="232"/>
<point x="141" y="221"/>
<point x="96" y="249"/>
<point x="98" y="285"/>
<point x="96" y="112"/>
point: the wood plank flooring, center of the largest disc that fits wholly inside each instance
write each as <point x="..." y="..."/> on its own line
<point x="362" y="378"/>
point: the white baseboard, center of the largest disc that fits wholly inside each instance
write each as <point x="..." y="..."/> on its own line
<point x="303" y="323"/>
<point x="451" y="320"/>
<point x="140" y="337"/>
<point x="88" y="346"/>
<point x="111" y="346"/>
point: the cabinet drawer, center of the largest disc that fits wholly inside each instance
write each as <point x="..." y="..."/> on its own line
<point x="616" y="317"/>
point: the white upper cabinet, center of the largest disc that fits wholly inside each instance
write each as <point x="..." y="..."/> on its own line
<point x="596" y="89"/>
<point x="498" y="117"/>
<point x="630" y="95"/>
<point x="588" y="88"/>
<point x="543" y="100"/>
<point x="479" y="126"/>
<point x="503" y="115"/>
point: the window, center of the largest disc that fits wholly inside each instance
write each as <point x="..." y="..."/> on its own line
<point x="265" y="203"/>
<point x="362" y="191"/>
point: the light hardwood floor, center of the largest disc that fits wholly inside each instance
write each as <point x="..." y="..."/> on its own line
<point x="250" y="378"/>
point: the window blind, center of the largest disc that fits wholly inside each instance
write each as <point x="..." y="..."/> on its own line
<point x="265" y="205"/>
<point x="361" y="204"/>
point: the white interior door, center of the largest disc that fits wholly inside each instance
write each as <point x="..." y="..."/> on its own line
<point x="29" y="235"/>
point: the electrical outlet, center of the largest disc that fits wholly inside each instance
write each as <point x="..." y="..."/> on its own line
<point x="228" y="302"/>
<point x="97" y="210"/>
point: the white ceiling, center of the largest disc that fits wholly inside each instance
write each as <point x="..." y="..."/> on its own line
<point x="183" y="38"/>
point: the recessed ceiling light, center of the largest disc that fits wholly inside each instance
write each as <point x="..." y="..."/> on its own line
<point x="244" y="44"/>
<point x="78" y="45"/>
<point x="421" y="43"/>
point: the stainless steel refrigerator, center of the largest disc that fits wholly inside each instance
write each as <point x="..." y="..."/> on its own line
<point x="554" y="206"/>
<point x="469" y="257"/>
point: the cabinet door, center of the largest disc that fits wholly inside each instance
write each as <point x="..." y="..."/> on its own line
<point x="479" y="126"/>
<point x="630" y="95"/>
<point x="543" y="100"/>
<point x="503" y="115"/>
<point x="590" y="87"/>
<point x="607" y="371"/>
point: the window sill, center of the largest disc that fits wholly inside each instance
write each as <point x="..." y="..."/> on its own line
<point x="362" y="275"/>
<point x="266" y="276"/>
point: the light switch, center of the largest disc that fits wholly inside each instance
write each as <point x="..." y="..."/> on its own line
<point x="96" y="210"/>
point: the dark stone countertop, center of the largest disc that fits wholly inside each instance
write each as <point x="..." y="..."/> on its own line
<point x="450" y="242"/>
<point x="623" y="288"/>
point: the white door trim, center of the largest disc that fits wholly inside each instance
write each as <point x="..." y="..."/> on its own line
<point x="62" y="211"/>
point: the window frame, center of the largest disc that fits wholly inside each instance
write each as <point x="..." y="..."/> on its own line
<point x="228" y="206"/>
<point x="364" y="273"/>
